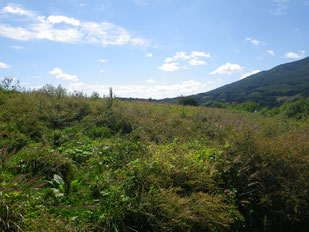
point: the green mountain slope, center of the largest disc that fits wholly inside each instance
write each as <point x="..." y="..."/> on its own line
<point x="285" y="81"/>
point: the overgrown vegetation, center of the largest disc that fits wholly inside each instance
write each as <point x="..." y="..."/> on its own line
<point x="75" y="163"/>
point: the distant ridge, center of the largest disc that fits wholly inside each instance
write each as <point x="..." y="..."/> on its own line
<point x="286" y="81"/>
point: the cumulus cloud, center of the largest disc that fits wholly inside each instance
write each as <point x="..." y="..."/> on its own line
<point x="249" y="74"/>
<point x="184" y="56"/>
<point x="169" y="67"/>
<point x="147" y="91"/>
<point x="255" y="42"/>
<point x="192" y="59"/>
<point x="60" y="74"/>
<point x="3" y="65"/>
<point x="271" y="52"/>
<point x="295" y="55"/>
<point x="71" y="30"/>
<point x="54" y="19"/>
<point x="227" y="69"/>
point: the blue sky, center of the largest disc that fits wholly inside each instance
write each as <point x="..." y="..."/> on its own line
<point x="148" y="48"/>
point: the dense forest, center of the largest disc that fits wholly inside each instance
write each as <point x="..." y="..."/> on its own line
<point x="71" y="162"/>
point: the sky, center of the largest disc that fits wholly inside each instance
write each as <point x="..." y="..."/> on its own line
<point x="148" y="48"/>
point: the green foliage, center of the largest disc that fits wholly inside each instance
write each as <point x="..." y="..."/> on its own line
<point x="285" y="81"/>
<point x="248" y="106"/>
<point x="298" y="109"/>
<point x="110" y="99"/>
<point x="187" y="101"/>
<point x="76" y="163"/>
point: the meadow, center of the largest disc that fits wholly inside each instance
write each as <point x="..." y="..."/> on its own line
<point x="75" y="163"/>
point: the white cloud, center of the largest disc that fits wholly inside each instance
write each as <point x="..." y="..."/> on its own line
<point x="140" y="3"/>
<point x="147" y="91"/>
<point x="71" y="30"/>
<point x="192" y="59"/>
<point x="47" y="31"/>
<point x="102" y="60"/>
<point x="17" y="33"/>
<point x="3" y="65"/>
<point x="15" y="9"/>
<point x="150" y="80"/>
<point x="227" y="69"/>
<point x="255" y="42"/>
<point x="294" y="55"/>
<point x="107" y="33"/>
<point x="168" y="59"/>
<point x="281" y="7"/>
<point x="148" y="54"/>
<point x="54" y="19"/>
<point x="17" y="47"/>
<point x="195" y="62"/>
<point x="181" y="56"/>
<point x="271" y="52"/>
<point x="249" y="74"/>
<point x="193" y="55"/>
<point x="102" y="71"/>
<point x="60" y="74"/>
<point x="169" y="67"/>
<point x="196" y="54"/>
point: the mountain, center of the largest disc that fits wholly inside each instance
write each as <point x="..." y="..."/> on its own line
<point x="286" y="81"/>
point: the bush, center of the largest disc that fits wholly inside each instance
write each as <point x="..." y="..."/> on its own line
<point x="187" y="101"/>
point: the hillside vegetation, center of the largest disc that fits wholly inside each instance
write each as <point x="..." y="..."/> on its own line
<point x="76" y="163"/>
<point x="268" y="88"/>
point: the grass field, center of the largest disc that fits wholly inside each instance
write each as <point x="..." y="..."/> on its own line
<point x="76" y="163"/>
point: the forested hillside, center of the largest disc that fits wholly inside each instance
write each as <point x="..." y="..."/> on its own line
<point x="268" y="88"/>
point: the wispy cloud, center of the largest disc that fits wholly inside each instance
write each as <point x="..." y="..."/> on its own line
<point x="3" y="65"/>
<point x="140" y="3"/>
<point x="271" y="52"/>
<point x="16" y="9"/>
<point x="295" y="55"/>
<point x="150" y="80"/>
<point x="149" y="54"/>
<point x="255" y="42"/>
<point x="17" y="47"/>
<point x="156" y="91"/>
<point x="65" y="29"/>
<point x="227" y="69"/>
<point x="102" y="60"/>
<point x="60" y="74"/>
<point x="281" y="7"/>
<point x="195" y="62"/>
<point x="249" y="74"/>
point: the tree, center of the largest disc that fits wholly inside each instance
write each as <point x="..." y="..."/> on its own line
<point x="110" y="99"/>
<point x="187" y="101"/>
